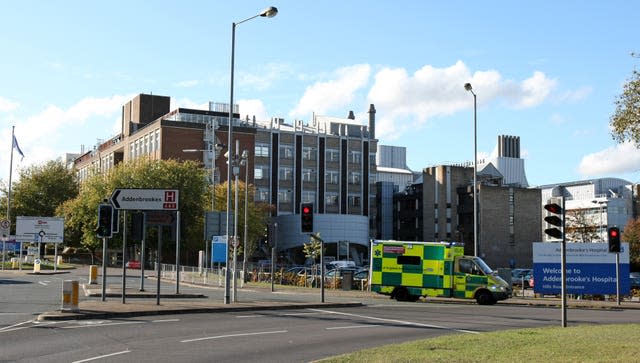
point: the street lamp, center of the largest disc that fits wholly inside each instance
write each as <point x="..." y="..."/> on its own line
<point x="269" y="12"/>
<point x="600" y="203"/>
<point x="467" y="86"/>
<point x="245" y="161"/>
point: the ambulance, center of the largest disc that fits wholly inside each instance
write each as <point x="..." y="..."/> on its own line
<point x="409" y="270"/>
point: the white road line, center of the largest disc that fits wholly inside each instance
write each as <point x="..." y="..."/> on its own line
<point x="351" y="327"/>
<point x="234" y="335"/>
<point x="411" y="323"/>
<point x="165" y="321"/>
<point x="102" y="356"/>
<point x="10" y="327"/>
<point x="299" y="314"/>
<point x="101" y="325"/>
<point x="42" y="283"/>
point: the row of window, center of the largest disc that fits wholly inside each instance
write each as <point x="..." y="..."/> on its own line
<point x="309" y="153"/>
<point x="144" y="145"/>
<point x="285" y="196"/>
<point x="308" y="175"/>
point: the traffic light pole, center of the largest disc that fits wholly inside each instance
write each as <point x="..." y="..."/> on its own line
<point x="104" y="268"/>
<point x="564" y="266"/>
<point x="618" y="278"/>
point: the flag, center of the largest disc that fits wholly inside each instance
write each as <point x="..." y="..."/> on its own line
<point x="15" y="146"/>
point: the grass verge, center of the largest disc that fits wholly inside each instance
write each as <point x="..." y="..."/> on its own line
<point x="583" y="343"/>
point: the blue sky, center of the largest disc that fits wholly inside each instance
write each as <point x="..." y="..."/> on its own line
<point x="547" y="71"/>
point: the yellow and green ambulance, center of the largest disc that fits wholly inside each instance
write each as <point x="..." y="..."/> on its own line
<point x="409" y="270"/>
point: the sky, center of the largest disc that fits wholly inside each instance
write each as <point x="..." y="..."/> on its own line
<point x="547" y="71"/>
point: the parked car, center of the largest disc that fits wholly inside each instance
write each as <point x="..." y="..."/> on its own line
<point x="635" y="282"/>
<point x="133" y="264"/>
<point x="520" y="275"/>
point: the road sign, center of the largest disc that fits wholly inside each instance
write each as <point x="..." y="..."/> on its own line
<point x="40" y="229"/>
<point x="5" y="226"/>
<point x="145" y="199"/>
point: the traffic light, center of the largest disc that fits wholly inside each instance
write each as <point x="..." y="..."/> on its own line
<point x="556" y="218"/>
<point x="137" y="226"/>
<point x="614" y="239"/>
<point x="306" y="217"/>
<point x="105" y="219"/>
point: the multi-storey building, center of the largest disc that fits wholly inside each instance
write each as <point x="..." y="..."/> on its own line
<point x="329" y="162"/>
<point x="592" y="206"/>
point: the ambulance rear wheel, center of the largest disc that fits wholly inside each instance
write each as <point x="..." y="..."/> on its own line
<point x="402" y="294"/>
<point x="485" y="298"/>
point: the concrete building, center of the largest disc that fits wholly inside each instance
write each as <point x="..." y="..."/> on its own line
<point x="592" y="206"/>
<point x="329" y="162"/>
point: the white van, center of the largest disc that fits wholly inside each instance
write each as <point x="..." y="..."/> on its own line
<point x="341" y="265"/>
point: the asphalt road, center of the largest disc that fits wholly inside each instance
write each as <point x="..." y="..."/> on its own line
<point x="273" y="336"/>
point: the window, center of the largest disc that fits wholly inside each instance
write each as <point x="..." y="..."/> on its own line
<point x="308" y="196"/>
<point x="331" y="199"/>
<point x="262" y="150"/>
<point x="408" y="260"/>
<point x="332" y="155"/>
<point x="308" y="175"/>
<point x="354" y="177"/>
<point x="355" y="157"/>
<point x="262" y="195"/>
<point x="157" y="139"/>
<point x="354" y="201"/>
<point x="285" y="173"/>
<point x="259" y="173"/>
<point x="286" y="151"/>
<point x="284" y="196"/>
<point x="308" y="153"/>
<point x="331" y="177"/>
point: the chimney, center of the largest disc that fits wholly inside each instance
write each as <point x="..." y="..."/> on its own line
<point x="351" y="116"/>
<point x="372" y="121"/>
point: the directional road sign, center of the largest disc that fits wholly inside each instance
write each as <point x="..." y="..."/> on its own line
<point x="145" y="199"/>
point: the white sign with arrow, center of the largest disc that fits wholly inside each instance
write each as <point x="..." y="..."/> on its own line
<point x="145" y="199"/>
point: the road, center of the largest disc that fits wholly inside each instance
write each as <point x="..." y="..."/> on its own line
<point x="273" y="336"/>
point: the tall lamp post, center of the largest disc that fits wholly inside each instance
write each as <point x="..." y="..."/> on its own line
<point x="245" y="161"/>
<point x="467" y="86"/>
<point x="269" y="12"/>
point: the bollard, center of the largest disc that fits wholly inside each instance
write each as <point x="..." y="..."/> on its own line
<point x="14" y="263"/>
<point x="93" y="274"/>
<point x="70" y="296"/>
<point x="36" y="266"/>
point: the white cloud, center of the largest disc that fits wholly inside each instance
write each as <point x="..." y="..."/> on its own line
<point x="535" y="90"/>
<point x="253" y="108"/>
<point x="7" y="105"/>
<point x="264" y="76"/>
<point x="620" y="158"/>
<point x="188" y="83"/>
<point x="576" y="95"/>
<point x="325" y="96"/>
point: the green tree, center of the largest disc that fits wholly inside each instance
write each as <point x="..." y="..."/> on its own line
<point x="631" y="235"/>
<point x="40" y="189"/>
<point x="625" y="122"/>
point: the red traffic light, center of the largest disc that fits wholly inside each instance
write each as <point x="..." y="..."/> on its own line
<point x="553" y="208"/>
<point x="613" y="233"/>
<point x="306" y="210"/>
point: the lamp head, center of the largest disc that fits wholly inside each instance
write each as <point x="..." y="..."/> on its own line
<point x="245" y="154"/>
<point x="467" y="86"/>
<point x="269" y="12"/>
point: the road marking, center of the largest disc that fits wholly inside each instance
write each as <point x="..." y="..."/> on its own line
<point x="351" y="327"/>
<point x="234" y="335"/>
<point x="19" y="326"/>
<point x="43" y="283"/>
<point x="411" y="323"/>
<point x="165" y="321"/>
<point x="92" y="325"/>
<point x="102" y="356"/>
<point x="269" y="316"/>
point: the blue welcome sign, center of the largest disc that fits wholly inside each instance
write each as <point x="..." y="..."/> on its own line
<point x="590" y="269"/>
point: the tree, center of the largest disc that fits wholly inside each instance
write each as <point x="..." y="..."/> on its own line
<point x="81" y="213"/>
<point x="580" y="226"/>
<point x="40" y="189"/>
<point x="625" y="122"/>
<point x="312" y="249"/>
<point x="631" y="235"/>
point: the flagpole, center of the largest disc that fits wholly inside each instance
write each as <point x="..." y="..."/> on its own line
<point x="13" y="128"/>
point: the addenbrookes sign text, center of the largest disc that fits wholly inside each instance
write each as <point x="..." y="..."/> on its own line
<point x="145" y="199"/>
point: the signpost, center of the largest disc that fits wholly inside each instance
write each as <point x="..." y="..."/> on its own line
<point x="145" y="199"/>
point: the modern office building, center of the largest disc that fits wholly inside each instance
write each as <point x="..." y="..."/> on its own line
<point x="592" y="206"/>
<point x="329" y="162"/>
